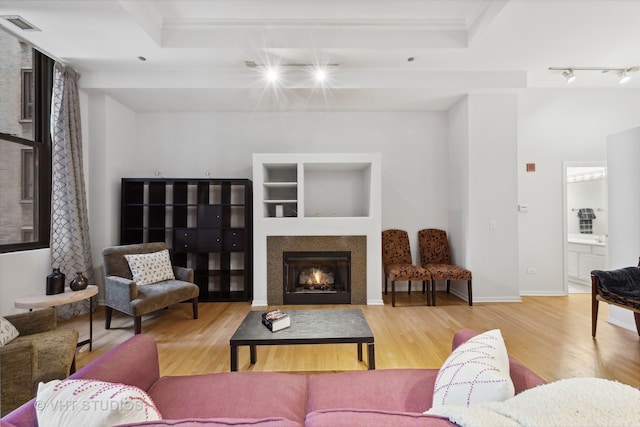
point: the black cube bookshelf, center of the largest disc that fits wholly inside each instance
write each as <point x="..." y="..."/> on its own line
<point x="206" y="223"/>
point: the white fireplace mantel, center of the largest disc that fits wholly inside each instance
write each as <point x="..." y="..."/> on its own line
<point x="317" y="194"/>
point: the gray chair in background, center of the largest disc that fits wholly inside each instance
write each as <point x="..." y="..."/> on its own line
<point x="124" y="295"/>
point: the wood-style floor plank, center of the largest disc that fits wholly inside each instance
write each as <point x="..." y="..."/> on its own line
<point x="551" y="335"/>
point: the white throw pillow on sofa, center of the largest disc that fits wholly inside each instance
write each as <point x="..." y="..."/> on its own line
<point x="150" y="268"/>
<point x="86" y="403"/>
<point x="8" y="332"/>
<point x="477" y="371"/>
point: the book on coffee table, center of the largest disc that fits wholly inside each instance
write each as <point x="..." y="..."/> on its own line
<point x="276" y="320"/>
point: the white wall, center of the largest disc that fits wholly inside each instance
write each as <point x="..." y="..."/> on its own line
<point x="112" y="132"/>
<point x="412" y="146"/>
<point x="492" y="217"/>
<point x="458" y="182"/>
<point x="22" y="273"/>
<point x="623" y="151"/>
<point x="556" y="126"/>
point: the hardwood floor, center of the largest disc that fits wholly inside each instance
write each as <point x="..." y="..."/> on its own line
<point x="551" y="335"/>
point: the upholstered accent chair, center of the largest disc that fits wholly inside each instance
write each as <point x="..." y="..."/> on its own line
<point x="435" y="257"/>
<point x="40" y="353"/>
<point x="398" y="265"/>
<point x="122" y="293"/>
<point x="619" y="287"/>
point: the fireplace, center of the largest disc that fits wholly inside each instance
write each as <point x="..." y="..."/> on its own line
<point x="316" y="277"/>
<point x="356" y="246"/>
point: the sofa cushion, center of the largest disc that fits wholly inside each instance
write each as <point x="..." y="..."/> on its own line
<point x="219" y="422"/>
<point x="232" y="395"/>
<point x="477" y="371"/>
<point x="150" y="268"/>
<point x="88" y="402"/>
<point x="8" y="332"/>
<point x="403" y="390"/>
<point x="372" y="418"/>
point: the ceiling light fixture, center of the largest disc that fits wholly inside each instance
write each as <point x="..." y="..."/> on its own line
<point x="320" y="74"/>
<point x="568" y="74"/>
<point x="272" y="74"/>
<point x="623" y="74"/>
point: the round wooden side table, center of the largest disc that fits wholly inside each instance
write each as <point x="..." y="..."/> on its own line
<point x="66" y="297"/>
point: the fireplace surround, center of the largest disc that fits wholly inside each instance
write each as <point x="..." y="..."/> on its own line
<point x="356" y="246"/>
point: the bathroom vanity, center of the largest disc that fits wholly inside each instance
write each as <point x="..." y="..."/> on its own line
<point x="585" y="253"/>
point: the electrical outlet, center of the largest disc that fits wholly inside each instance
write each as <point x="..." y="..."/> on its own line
<point x="531" y="270"/>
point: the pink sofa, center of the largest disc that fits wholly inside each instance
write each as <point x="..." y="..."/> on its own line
<point x="266" y="399"/>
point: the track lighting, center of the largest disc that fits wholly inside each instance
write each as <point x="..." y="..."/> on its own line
<point x="273" y="74"/>
<point x="623" y="74"/>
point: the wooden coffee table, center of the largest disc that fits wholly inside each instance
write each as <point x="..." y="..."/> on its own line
<point x="347" y="326"/>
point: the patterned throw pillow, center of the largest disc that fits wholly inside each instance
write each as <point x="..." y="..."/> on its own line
<point x="150" y="268"/>
<point x="477" y="371"/>
<point x="8" y="332"/>
<point x="92" y="403"/>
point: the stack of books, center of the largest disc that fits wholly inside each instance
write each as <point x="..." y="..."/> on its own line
<point x="276" y="320"/>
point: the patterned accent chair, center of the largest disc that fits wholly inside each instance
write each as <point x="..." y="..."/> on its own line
<point x="397" y="263"/>
<point x="41" y="353"/>
<point x="124" y="295"/>
<point x="435" y="256"/>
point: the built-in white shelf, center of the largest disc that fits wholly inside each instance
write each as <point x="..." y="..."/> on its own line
<point x="280" y="190"/>
<point x="312" y="189"/>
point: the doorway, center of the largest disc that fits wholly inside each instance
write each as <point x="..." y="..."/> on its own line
<point x="585" y="223"/>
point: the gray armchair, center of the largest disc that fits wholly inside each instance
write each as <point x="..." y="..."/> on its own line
<point x="40" y="353"/>
<point x="124" y="295"/>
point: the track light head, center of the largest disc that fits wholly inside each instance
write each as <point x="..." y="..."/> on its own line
<point x="568" y="74"/>
<point x="623" y="76"/>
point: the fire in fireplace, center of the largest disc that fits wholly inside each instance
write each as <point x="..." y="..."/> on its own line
<point x="317" y="277"/>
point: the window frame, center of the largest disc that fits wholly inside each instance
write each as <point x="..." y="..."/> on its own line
<point x="41" y="144"/>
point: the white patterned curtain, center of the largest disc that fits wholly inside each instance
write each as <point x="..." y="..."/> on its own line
<point x="70" y="245"/>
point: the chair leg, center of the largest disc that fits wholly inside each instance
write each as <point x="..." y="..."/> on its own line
<point x="469" y="290"/>
<point x="594" y="315"/>
<point x="195" y="307"/>
<point x="637" y="317"/>
<point x="448" y="285"/>
<point x="137" y="324"/>
<point x="427" y="291"/>
<point x="107" y="317"/>
<point x="72" y="369"/>
<point x="433" y="292"/>
<point x="409" y="286"/>
<point x="393" y="293"/>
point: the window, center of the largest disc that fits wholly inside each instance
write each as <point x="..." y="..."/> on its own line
<point x="26" y="78"/>
<point x="27" y="94"/>
<point x="28" y="174"/>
